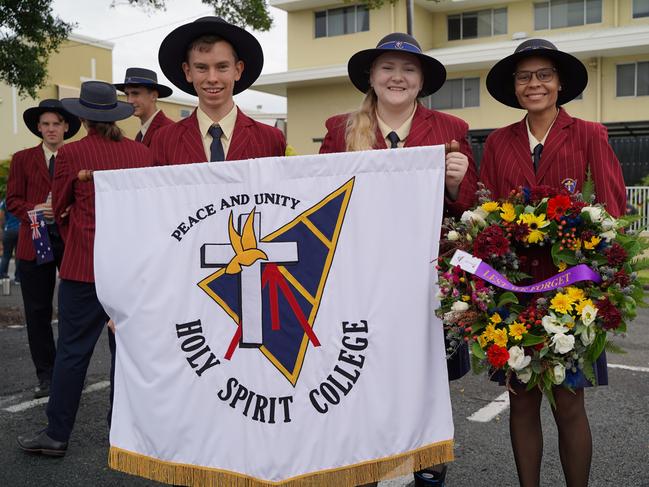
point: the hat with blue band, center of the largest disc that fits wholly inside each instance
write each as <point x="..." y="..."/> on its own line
<point x="98" y="102"/>
<point x="359" y="64"/>
<point x="143" y="77"/>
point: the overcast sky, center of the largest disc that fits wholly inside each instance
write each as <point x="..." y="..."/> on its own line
<point x="137" y="34"/>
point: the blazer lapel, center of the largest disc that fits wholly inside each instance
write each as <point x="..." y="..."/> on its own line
<point x="192" y="140"/>
<point x="41" y="167"/>
<point x="521" y="152"/>
<point x="555" y="141"/>
<point x="241" y="139"/>
<point x="155" y="123"/>
<point x="421" y="126"/>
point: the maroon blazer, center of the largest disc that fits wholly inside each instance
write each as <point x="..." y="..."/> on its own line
<point x="571" y="147"/>
<point x="181" y="142"/>
<point x="159" y="121"/>
<point x="429" y="127"/>
<point x="28" y="185"/>
<point x="78" y="228"/>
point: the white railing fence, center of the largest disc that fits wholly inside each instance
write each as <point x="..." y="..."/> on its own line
<point x="637" y="197"/>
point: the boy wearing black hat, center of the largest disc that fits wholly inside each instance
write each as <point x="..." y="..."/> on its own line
<point x="213" y="60"/>
<point x="29" y="188"/>
<point x="142" y="91"/>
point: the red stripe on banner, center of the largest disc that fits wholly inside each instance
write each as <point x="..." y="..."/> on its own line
<point x="233" y="343"/>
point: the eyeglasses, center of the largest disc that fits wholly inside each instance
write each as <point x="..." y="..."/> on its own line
<point x="544" y="75"/>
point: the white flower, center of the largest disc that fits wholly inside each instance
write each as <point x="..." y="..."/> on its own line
<point x="609" y="224"/>
<point x="453" y="235"/>
<point x="563" y="343"/>
<point x="588" y="314"/>
<point x="553" y="326"/>
<point x="608" y="236"/>
<point x="559" y="374"/>
<point x="517" y="358"/>
<point x="524" y="375"/>
<point x="475" y="218"/>
<point x="588" y="335"/>
<point x="459" y="306"/>
<point x="596" y="214"/>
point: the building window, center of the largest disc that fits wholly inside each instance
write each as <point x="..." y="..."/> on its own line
<point x="640" y="8"/>
<point x="556" y="14"/>
<point x="456" y="93"/>
<point x="633" y="79"/>
<point x="339" y="21"/>
<point x="470" y="25"/>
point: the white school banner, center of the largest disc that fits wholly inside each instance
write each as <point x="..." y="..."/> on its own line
<point x="275" y="318"/>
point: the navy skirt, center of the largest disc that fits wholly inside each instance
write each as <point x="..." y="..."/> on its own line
<point x="459" y="363"/>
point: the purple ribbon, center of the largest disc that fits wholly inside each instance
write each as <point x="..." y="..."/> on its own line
<point x="477" y="267"/>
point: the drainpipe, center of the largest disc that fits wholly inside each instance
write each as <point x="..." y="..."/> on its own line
<point x="599" y="89"/>
<point x="409" y="10"/>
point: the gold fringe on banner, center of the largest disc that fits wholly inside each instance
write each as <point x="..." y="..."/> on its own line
<point x="351" y="475"/>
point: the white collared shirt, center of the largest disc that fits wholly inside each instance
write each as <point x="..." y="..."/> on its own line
<point x="226" y="124"/>
<point x="402" y="131"/>
<point x="145" y="126"/>
<point x="533" y="141"/>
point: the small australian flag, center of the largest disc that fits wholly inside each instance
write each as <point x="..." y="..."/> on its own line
<point x="40" y="237"/>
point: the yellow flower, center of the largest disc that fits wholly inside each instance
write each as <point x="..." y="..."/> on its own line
<point x="495" y="318"/>
<point x="561" y="303"/>
<point x="534" y="223"/>
<point x="592" y="243"/>
<point x="483" y="340"/>
<point x="290" y="151"/>
<point x="575" y="293"/>
<point x="500" y="337"/>
<point x="576" y="245"/>
<point x="579" y="307"/>
<point x="517" y="330"/>
<point x="562" y="266"/>
<point x="490" y="206"/>
<point x="465" y="297"/>
<point x="490" y="332"/>
<point x="508" y="213"/>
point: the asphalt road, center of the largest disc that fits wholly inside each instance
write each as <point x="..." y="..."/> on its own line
<point x="619" y="418"/>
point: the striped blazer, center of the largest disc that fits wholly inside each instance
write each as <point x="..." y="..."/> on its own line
<point x="96" y="153"/>
<point x="181" y="143"/>
<point x="159" y="121"/>
<point x="429" y="127"/>
<point x="572" y="146"/>
<point x="28" y="185"/>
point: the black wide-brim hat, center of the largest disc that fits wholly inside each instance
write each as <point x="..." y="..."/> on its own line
<point x="573" y="75"/>
<point x="173" y="51"/>
<point x="98" y="102"/>
<point x="143" y="77"/>
<point x="358" y="67"/>
<point x="32" y="116"/>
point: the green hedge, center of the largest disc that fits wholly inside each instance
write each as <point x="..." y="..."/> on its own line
<point x="4" y="174"/>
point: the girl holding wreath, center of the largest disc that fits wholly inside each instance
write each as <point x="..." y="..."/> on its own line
<point x="549" y="148"/>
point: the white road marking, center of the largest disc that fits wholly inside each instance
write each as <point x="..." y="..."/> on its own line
<point x="35" y="402"/>
<point x="629" y="367"/>
<point x="491" y="410"/>
<point x="498" y="405"/>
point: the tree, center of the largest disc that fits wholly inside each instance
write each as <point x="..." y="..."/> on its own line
<point x="29" y="33"/>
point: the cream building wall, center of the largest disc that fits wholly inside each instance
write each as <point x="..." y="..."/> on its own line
<point x="316" y="84"/>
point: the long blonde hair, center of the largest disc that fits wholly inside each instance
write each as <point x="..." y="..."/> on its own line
<point x="360" y="132"/>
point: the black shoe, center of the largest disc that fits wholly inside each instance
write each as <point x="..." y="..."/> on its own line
<point x="430" y="477"/>
<point x="42" y="389"/>
<point x="41" y="443"/>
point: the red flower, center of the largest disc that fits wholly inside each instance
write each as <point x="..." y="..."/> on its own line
<point x="615" y="254"/>
<point x="497" y="356"/>
<point x="622" y="278"/>
<point x="520" y="231"/>
<point x="490" y="241"/>
<point x="609" y="314"/>
<point x="558" y="206"/>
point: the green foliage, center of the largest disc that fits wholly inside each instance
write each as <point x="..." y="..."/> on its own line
<point x="4" y="174"/>
<point x="29" y="33"/>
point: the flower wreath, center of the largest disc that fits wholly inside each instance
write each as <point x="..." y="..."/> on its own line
<point x="549" y="333"/>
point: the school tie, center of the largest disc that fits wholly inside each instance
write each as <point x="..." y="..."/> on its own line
<point x="216" y="147"/>
<point x="50" y="167"/>
<point x="394" y="140"/>
<point x="139" y="137"/>
<point x="536" y="156"/>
